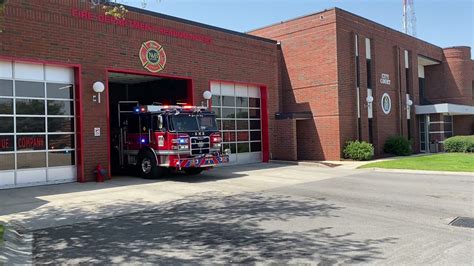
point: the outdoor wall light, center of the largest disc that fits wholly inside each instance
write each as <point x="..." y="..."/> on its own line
<point x="98" y="88"/>
<point x="207" y="95"/>
<point x="369" y="99"/>
<point x="409" y="102"/>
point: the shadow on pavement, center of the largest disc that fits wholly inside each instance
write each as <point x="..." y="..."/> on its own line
<point x="208" y="229"/>
<point x="25" y="199"/>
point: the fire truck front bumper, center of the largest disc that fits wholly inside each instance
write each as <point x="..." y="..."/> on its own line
<point x="201" y="162"/>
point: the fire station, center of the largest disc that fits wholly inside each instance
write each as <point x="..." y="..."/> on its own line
<point x="296" y="90"/>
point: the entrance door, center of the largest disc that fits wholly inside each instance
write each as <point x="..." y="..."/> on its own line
<point x="238" y="109"/>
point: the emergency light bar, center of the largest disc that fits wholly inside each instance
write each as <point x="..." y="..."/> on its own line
<point x="161" y="108"/>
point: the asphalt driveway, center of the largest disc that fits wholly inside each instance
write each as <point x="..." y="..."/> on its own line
<point x="258" y="213"/>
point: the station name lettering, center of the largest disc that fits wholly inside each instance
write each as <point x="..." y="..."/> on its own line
<point x="30" y="142"/>
<point x="138" y="25"/>
<point x="385" y="79"/>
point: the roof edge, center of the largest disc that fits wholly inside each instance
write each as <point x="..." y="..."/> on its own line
<point x="293" y="19"/>
<point x="197" y="24"/>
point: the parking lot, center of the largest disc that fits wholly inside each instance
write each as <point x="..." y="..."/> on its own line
<point x="253" y="213"/>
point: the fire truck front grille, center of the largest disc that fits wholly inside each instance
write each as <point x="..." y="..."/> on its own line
<point x="200" y="145"/>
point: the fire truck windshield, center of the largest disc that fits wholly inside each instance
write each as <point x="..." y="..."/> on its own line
<point x="185" y="123"/>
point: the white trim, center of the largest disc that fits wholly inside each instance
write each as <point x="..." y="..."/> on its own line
<point x="368" y="54"/>
<point x="444" y="108"/>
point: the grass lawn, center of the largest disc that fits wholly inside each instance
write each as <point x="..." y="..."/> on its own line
<point x="454" y="162"/>
<point x="1" y="233"/>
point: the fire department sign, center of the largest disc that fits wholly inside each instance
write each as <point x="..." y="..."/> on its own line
<point x="152" y="56"/>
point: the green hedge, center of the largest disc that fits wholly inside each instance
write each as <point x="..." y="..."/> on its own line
<point x="459" y="144"/>
<point x="397" y="145"/>
<point x="358" y="150"/>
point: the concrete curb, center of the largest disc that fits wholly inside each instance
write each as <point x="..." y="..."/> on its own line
<point x="426" y="172"/>
<point x="314" y="164"/>
<point x="17" y="247"/>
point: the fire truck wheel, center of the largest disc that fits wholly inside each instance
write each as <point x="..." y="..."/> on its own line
<point x="147" y="166"/>
<point x="193" y="171"/>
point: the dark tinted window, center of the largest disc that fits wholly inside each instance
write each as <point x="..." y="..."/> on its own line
<point x="6" y="87"/>
<point x="6" y="124"/>
<point x="228" y="124"/>
<point x="242" y="102"/>
<point x="228" y="101"/>
<point x="255" y="135"/>
<point x="255" y="146"/>
<point x="6" y="106"/>
<point x="60" y="124"/>
<point x="31" y="142"/>
<point x="60" y="108"/>
<point x="56" y="142"/>
<point x="6" y="143"/>
<point x="254" y="102"/>
<point x="29" y="89"/>
<point x="228" y="113"/>
<point x="63" y="91"/>
<point x="254" y="124"/>
<point x="254" y="113"/>
<point x="242" y="147"/>
<point x="30" y="124"/>
<point x="29" y="107"/>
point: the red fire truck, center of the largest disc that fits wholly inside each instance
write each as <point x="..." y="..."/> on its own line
<point x="157" y="137"/>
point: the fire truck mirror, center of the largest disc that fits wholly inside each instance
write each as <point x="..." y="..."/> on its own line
<point x="159" y="122"/>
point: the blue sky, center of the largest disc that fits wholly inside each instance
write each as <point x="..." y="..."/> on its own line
<point x="441" y="22"/>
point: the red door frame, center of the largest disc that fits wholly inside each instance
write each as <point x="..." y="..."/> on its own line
<point x="79" y="116"/>
<point x="189" y="94"/>
<point x="264" y="110"/>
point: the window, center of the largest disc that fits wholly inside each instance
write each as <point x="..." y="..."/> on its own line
<point x="36" y="122"/>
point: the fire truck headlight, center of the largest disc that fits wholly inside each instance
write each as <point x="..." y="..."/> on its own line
<point x="143" y="140"/>
<point x="183" y="147"/>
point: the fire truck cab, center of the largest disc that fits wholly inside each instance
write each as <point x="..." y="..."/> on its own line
<point x="154" y="138"/>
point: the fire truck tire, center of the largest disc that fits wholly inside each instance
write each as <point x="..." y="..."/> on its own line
<point x="147" y="166"/>
<point x="193" y="171"/>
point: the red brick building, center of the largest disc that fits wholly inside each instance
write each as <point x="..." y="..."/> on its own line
<point x="294" y="91"/>
<point x="336" y="71"/>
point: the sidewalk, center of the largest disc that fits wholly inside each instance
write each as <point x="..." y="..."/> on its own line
<point x="343" y="164"/>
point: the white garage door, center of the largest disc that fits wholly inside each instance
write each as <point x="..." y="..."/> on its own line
<point x="238" y="108"/>
<point x="37" y="131"/>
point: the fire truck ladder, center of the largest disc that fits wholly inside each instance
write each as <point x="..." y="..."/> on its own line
<point x="123" y="130"/>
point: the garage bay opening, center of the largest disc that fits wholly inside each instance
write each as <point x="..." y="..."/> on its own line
<point x="143" y="90"/>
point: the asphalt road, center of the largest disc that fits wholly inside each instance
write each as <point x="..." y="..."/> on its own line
<point x="365" y="217"/>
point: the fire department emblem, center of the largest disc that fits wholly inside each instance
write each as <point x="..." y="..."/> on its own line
<point x="152" y="56"/>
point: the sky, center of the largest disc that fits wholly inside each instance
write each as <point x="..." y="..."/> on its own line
<point x="442" y="22"/>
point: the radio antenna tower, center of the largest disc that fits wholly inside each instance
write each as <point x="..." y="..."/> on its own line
<point x="409" y="18"/>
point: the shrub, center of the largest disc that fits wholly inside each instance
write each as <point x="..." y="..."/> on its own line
<point x="358" y="150"/>
<point x="397" y="145"/>
<point x="459" y="144"/>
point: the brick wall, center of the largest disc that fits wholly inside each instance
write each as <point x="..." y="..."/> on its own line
<point x="309" y="80"/>
<point x="285" y="136"/>
<point x="451" y="81"/>
<point x="45" y="30"/>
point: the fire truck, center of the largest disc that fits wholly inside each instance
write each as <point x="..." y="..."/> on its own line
<point x="157" y="138"/>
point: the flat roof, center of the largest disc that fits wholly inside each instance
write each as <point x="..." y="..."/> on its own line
<point x="444" y="108"/>
<point x="197" y="24"/>
<point x="347" y="12"/>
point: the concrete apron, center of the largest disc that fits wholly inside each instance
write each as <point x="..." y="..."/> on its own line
<point x="55" y="205"/>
